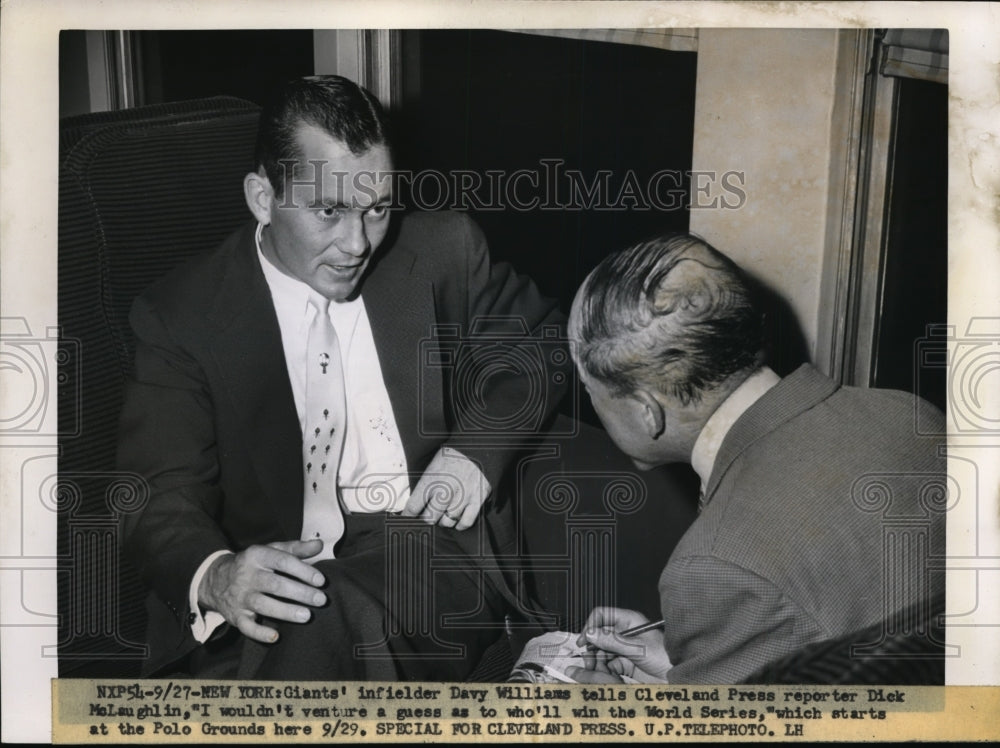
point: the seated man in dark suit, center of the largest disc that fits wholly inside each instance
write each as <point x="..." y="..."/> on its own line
<point x="297" y="448"/>
<point x="803" y="482"/>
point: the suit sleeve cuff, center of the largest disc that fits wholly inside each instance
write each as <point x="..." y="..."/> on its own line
<point x="203" y="623"/>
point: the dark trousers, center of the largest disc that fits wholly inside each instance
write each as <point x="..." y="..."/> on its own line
<point x="405" y="601"/>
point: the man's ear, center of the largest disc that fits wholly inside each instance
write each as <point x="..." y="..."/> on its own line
<point x="653" y="417"/>
<point x="259" y="196"/>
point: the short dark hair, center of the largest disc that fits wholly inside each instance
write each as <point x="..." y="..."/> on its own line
<point x="643" y="321"/>
<point x="336" y="105"/>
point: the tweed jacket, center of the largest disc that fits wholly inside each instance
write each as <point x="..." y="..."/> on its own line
<point x="800" y="534"/>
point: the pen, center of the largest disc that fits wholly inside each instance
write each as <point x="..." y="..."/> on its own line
<point x="634" y="631"/>
<point x="650" y="626"/>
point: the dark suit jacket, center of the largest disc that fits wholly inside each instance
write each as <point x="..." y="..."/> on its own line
<point x="209" y="418"/>
<point x="815" y="492"/>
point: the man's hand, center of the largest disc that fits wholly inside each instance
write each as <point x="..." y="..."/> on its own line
<point x="450" y="492"/>
<point x="245" y="585"/>
<point x="642" y="658"/>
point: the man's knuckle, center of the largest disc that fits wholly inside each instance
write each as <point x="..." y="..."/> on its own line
<point x="287" y="564"/>
<point x="245" y="626"/>
<point x="255" y="600"/>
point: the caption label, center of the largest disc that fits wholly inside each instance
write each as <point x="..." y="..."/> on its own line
<point x="192" y="710"/>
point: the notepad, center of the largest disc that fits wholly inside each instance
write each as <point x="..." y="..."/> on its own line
<point x="546" y="658"/>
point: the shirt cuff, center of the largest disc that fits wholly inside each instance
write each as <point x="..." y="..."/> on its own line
<point x="203" y="624"/>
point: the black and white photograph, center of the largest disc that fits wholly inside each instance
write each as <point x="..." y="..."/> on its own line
<point x="461" y="355"/>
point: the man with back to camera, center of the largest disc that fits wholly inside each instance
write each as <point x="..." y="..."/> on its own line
<point x="667" y="339"/>
<point x="280" y="412"/>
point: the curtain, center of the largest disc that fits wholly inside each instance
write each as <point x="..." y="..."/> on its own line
<point x="916" y="53"/>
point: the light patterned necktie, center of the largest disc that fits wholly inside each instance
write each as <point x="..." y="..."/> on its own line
<point x="323" y="438"/>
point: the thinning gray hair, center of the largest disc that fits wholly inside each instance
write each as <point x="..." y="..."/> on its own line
<point x="672" y="314"/>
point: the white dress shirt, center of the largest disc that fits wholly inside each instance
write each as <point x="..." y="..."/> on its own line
<point x="373" y="460"/>
<point x="372" y="476"/>
<point x="709" y="441"/>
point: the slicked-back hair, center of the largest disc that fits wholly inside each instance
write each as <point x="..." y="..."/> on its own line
<point x="672" y="315"/>
<point x="334" y="104"/>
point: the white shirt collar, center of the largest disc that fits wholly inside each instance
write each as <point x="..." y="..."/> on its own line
<point x="290" y="295"/>
<point x="706" y="447"/>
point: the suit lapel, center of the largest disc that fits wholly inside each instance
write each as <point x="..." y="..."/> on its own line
<point x="400" y="306"/>
<point x="250" y="356"/>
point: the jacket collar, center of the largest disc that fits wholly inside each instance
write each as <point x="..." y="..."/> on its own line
<point x="713" y="433"/>
<point x="802" y="389"/>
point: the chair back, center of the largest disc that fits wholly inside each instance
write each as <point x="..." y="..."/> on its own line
<point x="140" y="190"/>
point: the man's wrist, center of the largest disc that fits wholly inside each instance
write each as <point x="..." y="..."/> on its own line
<point x="203" y="617"/>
